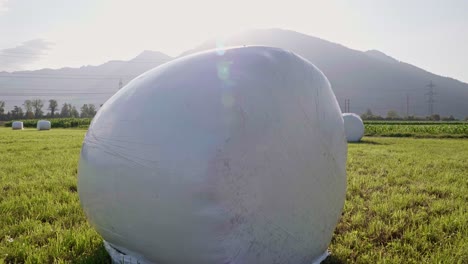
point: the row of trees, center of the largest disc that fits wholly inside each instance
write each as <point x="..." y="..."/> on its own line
<point x="34" y="109"/>
<point x="393" y="115"/>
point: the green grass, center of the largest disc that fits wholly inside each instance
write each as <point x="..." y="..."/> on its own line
<point x="41" y="220"/>
<point x="407" y="201"/>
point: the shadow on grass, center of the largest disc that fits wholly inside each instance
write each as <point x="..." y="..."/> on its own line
<point x="98" y="256"/>
<point x="418" y="135"/>
<point x="333" y="260"/>
<point x="28" y="130"/>
<point x="368" y="142"/>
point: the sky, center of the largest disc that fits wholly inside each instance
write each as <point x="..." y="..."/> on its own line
<point x="431" y="34"/>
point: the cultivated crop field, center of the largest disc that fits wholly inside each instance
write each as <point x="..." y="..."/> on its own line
<point x="407" y="201"/>
<point x="417" y="129"/>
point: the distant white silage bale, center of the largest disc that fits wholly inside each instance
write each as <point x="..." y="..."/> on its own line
<point x="354" y="127"/>
<point x="17" y="125"/>
<point x="43" y="125"/>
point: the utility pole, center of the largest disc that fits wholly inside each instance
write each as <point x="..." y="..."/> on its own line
<point x="346" y="106"/>
<point x="120" y="84"/>
<point x="430" y="100"/>
<point x="407" y="105"/>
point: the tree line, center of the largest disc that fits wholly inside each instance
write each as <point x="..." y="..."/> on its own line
<point x="33" y="109"/>
<point x="393" y="115"/>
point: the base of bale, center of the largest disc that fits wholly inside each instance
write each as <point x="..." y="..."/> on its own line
<point x="118" y="257"/>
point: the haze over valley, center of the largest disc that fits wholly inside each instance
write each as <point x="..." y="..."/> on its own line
<point x="369" y="79"/>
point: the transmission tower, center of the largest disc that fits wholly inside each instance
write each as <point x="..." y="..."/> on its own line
<point x="407" y="105"/>
<point x="430" y="101"/>
<point x="346" y="106"/>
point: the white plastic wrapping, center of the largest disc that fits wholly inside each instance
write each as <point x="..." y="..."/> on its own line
<point x="118" y="257"/>
<point x="43" y="125"/>
<point x="17" y="125"/>
<point x="354" y="127"/>
<point x="232" y="157"/>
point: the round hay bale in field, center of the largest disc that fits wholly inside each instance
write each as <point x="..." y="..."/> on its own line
<point x="236" y="157"/>
<point x="43" y="125"/>
<point x="17" y="125"/>
<point x="354" y="127"/>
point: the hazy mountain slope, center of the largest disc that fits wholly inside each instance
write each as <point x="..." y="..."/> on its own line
<point x="87" y="84"/>
<point x="369" y="79"/>
<point x="381" y="56"/>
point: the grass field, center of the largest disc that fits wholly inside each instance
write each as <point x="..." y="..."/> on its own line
<point x="41" y="218"/>
<point x="407" y="201"/>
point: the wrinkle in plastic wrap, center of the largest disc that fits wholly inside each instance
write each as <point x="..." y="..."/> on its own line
<point x="210" y="158"/>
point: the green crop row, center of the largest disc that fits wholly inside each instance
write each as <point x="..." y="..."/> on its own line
<point x="373" y="128"/>
<point x="399" y="122"/>
<point x="383" y="129"/>
<point x="56" y="122"/>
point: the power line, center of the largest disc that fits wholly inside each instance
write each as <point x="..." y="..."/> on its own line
<point x="61" y="92"/>
<point x="111" y="61"/>
<point x="51" y="94"/>
<point x="20" y="56"/>
<point x="60" y="78"/>
<point x="84" y="98"/>
<point x="31" y="54"/>
<point x="20" y="52"/>
<point x="26" y="73"/>
<point x="51" y="90"/>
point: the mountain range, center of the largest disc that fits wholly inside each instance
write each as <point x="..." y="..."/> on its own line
<point x="369" y="79"/>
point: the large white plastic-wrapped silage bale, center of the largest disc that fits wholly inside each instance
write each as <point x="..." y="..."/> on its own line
<point x="354" y="127"/>
<point x="17" y="125"/>
<point x="233" y="158"/>
<point x="43" y="125"/>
